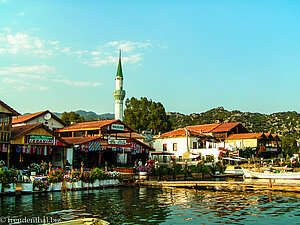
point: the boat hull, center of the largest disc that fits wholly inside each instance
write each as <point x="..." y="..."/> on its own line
<point x="256" y="175"/>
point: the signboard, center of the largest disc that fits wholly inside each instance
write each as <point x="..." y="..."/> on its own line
<point x="271" y="149"/>
<point x="40" y="139"/>
<point x="94" y="146"/>
<point x="117" y="126"/>
<point x="117" y="142"/>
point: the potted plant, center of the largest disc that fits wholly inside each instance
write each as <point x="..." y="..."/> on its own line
<point x="39" y="185"/>
<point x="116" y="177"/>
<point x="34" y="169"/>
<point x="143" y="172"/>
<point x="75" y="176"/>
<point x="86" y="179"/>
<point x="9" y="180"/>
<point x="55" y="179"/>
<point x="27" y="185"/>
<point x="96" y="174"/>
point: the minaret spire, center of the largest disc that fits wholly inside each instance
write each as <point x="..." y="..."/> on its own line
<point x="119" y="93"/>
<point x="119" y="71"/>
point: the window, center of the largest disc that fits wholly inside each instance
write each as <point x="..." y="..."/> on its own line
<point x="164" y="147"/>
<point x="174" y="147"/>
<point x="194" y="145"/>
<point x="200" y="144"/>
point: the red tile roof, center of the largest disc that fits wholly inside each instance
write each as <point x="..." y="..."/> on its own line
<point x="205" y="128"/>
<point x="22" y="130"/>
<point x="224" y="127"/>
<point x="25" y="118"/>
<point x="22" y="119"/>
<point x="79" y="140"/>
<point x="91" y="125"/>
<point x="246" y="136"/>
<point x="179" y="132"/>
<point x="14" y="112"/>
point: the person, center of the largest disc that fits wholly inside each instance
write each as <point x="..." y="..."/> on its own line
<point x="171" y="163"/>
<point x="67" y="165"/>
<point x="140" y="162"/>
<point x="150" y="162"/>
<point x="156" y="163"/>
<point x="44" y="166"/>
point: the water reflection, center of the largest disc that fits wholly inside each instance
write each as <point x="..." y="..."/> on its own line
<point x="147" y="205"/>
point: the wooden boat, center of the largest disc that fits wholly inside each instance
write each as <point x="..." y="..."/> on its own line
<point x="87" y="221"/>
<point x="270" y="175"/>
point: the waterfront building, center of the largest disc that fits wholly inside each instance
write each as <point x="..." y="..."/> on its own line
<point x="181" y="144"/>
<point x="33" y="143"/>
<point x="6" y="114"/>
<point x="97" y="142"/>
<point x="46" y="117"/>
<point x="197" y="141"/>
<point x="119" y="93"/>
<point x="264" y="145"/>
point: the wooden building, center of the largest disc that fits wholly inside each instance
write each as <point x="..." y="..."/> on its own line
<point x="264" y="145"/>
<point x="35" y="142"/>
<point x="97" y="142"/>
<point x="6" y="114"/>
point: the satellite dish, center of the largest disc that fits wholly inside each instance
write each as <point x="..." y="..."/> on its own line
<point x="47" y="116"/>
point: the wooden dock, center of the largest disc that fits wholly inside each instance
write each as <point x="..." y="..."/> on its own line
<point x="247" y="185"/>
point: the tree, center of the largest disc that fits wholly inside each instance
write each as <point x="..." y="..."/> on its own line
<point x="69" y="117"/>
<point x="145" y="114"/>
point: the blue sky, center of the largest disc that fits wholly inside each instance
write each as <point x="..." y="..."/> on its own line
<point x="189" y="55"/>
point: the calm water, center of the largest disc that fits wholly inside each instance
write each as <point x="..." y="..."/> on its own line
<point x="133" y="205"/>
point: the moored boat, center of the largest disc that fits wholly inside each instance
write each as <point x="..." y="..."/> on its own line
<point x="87" y="221"/>
<point x="236" y="170"/>
<point x="270" y="175"/>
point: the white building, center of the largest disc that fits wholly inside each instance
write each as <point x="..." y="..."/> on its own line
<point x="184" y="144"/>
<point x="119" y="93"/>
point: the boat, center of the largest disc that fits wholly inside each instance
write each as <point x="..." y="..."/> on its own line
<point x="271" y="175"/>
<point x="235" y="170"/>
<point x="87" y="221"/>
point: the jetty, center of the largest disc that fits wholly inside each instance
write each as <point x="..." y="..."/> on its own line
<point x="247" y="185"/>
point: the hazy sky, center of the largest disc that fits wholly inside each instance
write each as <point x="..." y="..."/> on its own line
<point x="189" y="55"/>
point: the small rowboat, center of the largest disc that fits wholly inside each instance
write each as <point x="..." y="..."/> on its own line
<point x="270" y="175"/>
<point x="87" y="221"/>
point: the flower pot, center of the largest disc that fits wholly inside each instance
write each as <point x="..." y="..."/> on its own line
<point x="85" y="185"/>
<point x="101" y="183"/>
<point x="77" y="185"/>
<point x="96" y="184"/>
<point x="105" y="182"/>
<point x="142" y="175"/>
<point x="27" y="187"/>
<point x="33" y="173"/>
<point x="11" y="188"/>
<point x="36" y="189"/>
<point x="69" y="185"/>
<point x="55" y="186"/>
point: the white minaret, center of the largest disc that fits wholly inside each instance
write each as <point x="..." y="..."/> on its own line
<point x="119" y="93"/>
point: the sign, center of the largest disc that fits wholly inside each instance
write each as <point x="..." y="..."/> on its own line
<point x="271" y="149"/>
<point x="117" y="142"/>
<point x="40" y="139"/>
<point x="94" y="146"/>
<point x="117" y="126"/>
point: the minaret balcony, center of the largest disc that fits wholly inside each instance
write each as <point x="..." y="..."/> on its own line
<point x="119" y="94"/>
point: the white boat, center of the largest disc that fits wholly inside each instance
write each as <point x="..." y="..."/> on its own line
<point x="270" y="175"/>
<point x="237" y="170"/>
